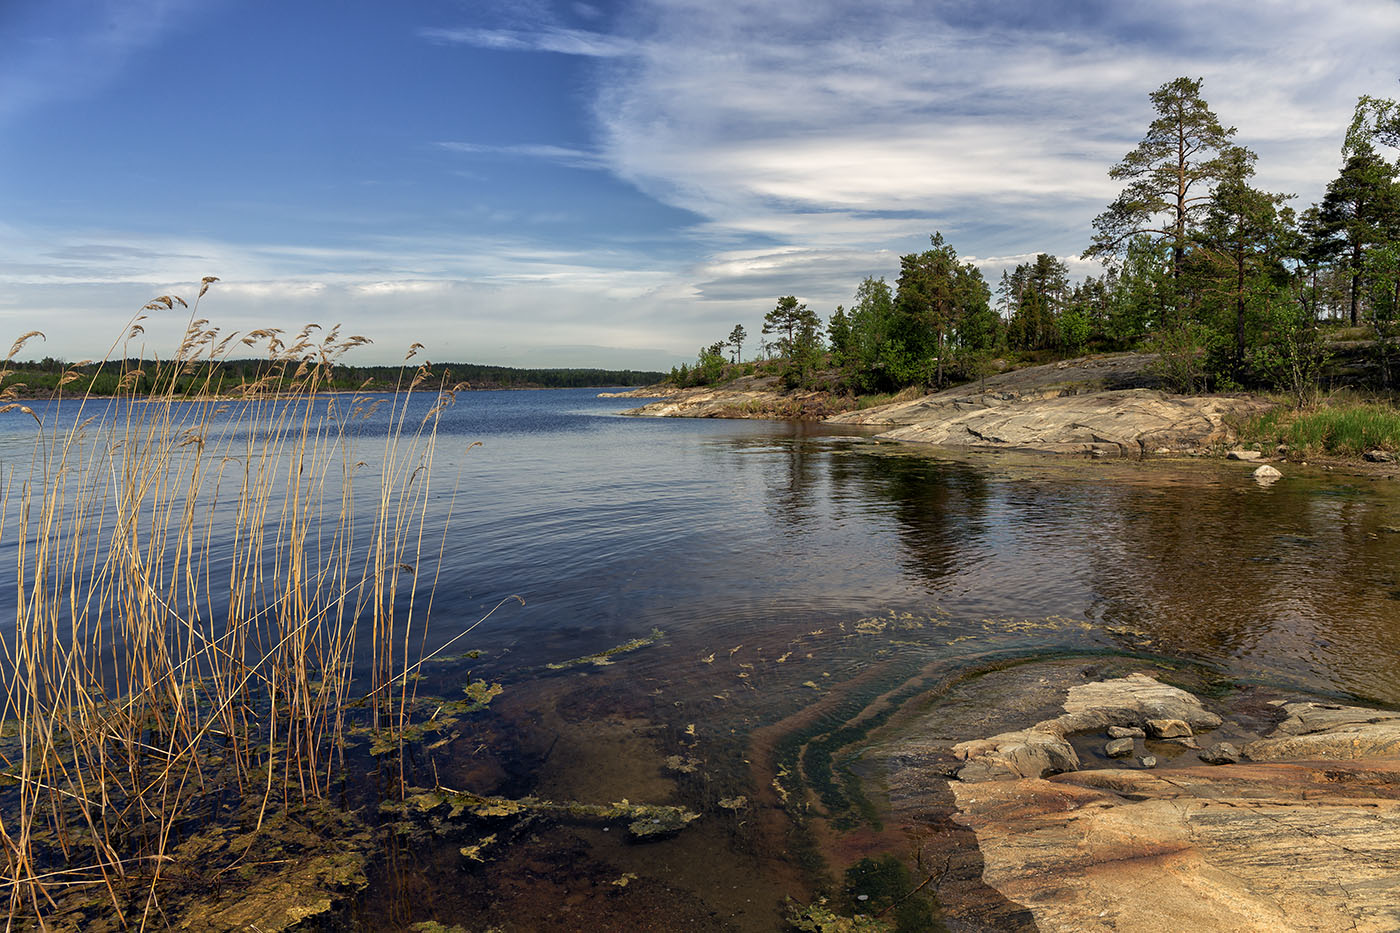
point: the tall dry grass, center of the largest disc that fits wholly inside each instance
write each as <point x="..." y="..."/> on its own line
<point x="194" y="580"/>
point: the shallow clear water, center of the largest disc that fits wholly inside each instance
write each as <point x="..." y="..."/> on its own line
<point x="791" y="565"/>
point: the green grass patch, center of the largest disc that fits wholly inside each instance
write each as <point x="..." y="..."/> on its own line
<point x="1345" y="429"/>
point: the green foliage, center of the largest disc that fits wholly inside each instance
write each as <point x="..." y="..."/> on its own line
<point x="799" y="339"/>
<point x="1181" y="356"/>
<point x="1144" y="291"/>
<point x="1032" y="297"/>
<point x="935" y="298"/>
<point x="864" y="355"/>
<point x="1221" y="279"/>
<point x="1166" y="172"/>
<point x="737" y="336"/>
<point x="838" y="335"/>
<point x="711" y="368"/>
<point x="1360" y="211"/>
<point x="1075" y="329"/>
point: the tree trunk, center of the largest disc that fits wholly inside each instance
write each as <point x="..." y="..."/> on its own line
<point x="1239" y="317"/>
<point x="1355" y="284"/>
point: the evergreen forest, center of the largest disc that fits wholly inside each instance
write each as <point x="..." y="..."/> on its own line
<point x="1233" y="287"/>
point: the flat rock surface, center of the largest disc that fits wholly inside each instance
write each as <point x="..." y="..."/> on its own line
<point x="1267" y="847"/>
<point x="1279" y="845"/>
<point x="1124" y="422"/>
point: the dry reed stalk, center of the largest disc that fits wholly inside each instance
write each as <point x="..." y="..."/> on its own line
<point x="192" y="576"/>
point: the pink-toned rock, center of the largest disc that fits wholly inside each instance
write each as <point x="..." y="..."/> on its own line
<point x="1276" y="847"/>
<point x="1168" y="728"/>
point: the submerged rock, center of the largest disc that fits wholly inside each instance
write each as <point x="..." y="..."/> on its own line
<point x="1221" y="753"/>
<point x="1118" y="748"/>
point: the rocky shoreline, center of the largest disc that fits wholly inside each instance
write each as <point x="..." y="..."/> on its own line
<point x="1109" y="405"/>
<point x="1090" y="802"/>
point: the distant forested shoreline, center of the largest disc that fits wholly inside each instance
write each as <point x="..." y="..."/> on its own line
<point x="43" y="378"/>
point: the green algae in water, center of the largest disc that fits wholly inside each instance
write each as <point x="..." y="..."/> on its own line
<point x="885" y="887"/>
<point x="446" y="715"/>
<point x="645" y="821"/>
<point x="479" y="695"/>
<point x="604" y="658"/>
<point x="819" y="918"/>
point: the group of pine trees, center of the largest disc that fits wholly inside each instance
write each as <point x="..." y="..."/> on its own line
<point x="1227" y="282"/>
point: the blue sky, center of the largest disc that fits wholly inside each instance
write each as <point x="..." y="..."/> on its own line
<point x="568" y="183"/>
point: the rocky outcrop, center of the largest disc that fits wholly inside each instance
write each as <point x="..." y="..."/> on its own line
<point x="1130" y="422"/>
<point x="1137" y="702"/>
<point x="1307" y="844"/>
<point x="1315" y="730"/>
<point x="1279" y="847"/>
<point x="744" y="400"/>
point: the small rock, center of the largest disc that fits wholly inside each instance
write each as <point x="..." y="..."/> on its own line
<point x="1221" y="753"/>
<point x="1266" y="475"/>
<point x="1118" y="748"/>
<point x="1125" y="732"/>
<point x="1148" y="761"/>
<point x="1376" y="455"/>
<point x="1243" y="455"/>
<point x="1168" y="728"/>
<point x="1184" y="741"/>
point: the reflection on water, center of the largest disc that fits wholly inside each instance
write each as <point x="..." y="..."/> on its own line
<point x="799" y="575"/>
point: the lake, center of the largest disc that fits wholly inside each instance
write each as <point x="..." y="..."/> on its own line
<point x="730" y="588"/>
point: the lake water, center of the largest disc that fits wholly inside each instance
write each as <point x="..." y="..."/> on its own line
<point x="792" y="567"/>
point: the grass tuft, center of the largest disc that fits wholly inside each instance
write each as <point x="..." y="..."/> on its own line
<point x="1345" y="428"/>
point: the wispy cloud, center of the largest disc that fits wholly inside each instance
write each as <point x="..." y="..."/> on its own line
<point x="552" y="39"/>
<point x="809" y="124"/>
<point x="563" y="155"/>
<point x="63" y="49"/>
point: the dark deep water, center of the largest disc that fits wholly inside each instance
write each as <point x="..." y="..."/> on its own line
<point x="788" y="564"/>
